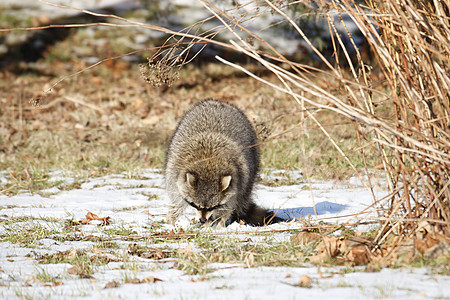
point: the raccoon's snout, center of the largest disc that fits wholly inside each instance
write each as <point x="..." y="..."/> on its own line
<point x="203" y="215"/>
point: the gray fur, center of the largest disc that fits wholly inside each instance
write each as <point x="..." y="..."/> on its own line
<point x="205" y="149"/>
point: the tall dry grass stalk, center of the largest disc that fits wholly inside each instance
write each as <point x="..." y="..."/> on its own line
<point x="411" y="42"/>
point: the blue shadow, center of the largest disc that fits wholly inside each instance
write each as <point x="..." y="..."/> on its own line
<point x="299" y="212"/>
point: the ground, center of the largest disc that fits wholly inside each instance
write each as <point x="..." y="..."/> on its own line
<point x="51" y="249"/>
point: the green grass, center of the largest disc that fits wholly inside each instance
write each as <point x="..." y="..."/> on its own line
<point x="27" y="234"/>
<point x="45" y="276"/>
<point x="121" y="230"/>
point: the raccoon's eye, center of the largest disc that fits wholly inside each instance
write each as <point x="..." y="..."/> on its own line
<point x="192" y="204"/>
<point x="215" y="207"/>
<point x="225" y="182"/>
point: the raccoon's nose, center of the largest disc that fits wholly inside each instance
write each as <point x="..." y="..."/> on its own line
<point x="202" y="220"/>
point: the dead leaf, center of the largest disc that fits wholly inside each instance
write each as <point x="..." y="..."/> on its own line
<point x="354" y="250"/>
<point x="71" y="254"/>
<point x="150" y="279"/>
<point x="305" y="281"/>
<point x="404" y="252"/>
<point x="112" y="284"/>
<point x="319" y="258"/>
<point x="95" y="250"/>
<point x="147" y="212"/>
<point x="330" y="246"/>
<point x="358" y="255"/>
<point x="133" y="280"/>
<point x="91" y="217"/>
<point x="138" y="104"/>
<point x="73" y="270"/>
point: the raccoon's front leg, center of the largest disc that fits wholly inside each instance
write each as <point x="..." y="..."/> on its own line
<point x="217" y="223"/>
<point x="221" y="223"/>
<point x="220" y="219"/>
<point x="176" y="209"/>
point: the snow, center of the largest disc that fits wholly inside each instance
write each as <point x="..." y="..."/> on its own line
<point x="138" y="204"/>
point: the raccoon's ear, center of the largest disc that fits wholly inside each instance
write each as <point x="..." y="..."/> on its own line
<point x="190" y="179"/>
<point x="225" y="182"/>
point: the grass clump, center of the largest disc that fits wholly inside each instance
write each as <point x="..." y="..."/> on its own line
<point x="83" y="263"/>
<point x="235" y="251"/>
<point x="27" y="234"/>
<point x="47" y="277"/>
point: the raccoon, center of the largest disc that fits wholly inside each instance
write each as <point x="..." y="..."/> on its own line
<point x="211" y="164"/>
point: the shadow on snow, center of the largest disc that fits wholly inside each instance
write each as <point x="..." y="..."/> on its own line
<point x="299" y="212"/>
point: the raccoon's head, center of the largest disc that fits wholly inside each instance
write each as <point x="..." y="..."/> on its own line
<point x="208" y="194"/>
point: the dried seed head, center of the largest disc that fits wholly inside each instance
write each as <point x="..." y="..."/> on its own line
<point x="163" y="71"/>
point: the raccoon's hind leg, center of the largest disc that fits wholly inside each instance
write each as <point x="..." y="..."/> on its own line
<point x="259" y="216"/>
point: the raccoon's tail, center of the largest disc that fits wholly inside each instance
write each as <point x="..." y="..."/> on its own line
<point x="259" y="216"/>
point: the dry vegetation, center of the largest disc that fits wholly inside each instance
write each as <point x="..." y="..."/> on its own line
<point x="407" y="125"/>
<point x="348" y="116"/>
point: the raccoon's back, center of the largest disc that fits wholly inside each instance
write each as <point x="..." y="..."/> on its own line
<point x="215" y="116"/>
<point x="217" y="126"/>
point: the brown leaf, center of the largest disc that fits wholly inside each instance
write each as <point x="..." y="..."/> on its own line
<point x="78" y="270"/>
<point x="112" y="284"/>
<point x="73" y="270"/>
<point x="358" y="255"/>
<point x="150" y="279"/>
<point x="305" y="281"/>
<point x="90" y="217"/>
<point x="330" y="246"/>
<point x="319" y="258"/>
<point x="133" y="280"/>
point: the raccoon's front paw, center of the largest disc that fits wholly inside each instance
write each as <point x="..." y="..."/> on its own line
<point x="218" y="223"/>
<point x="221" y="223"/>
<point x="171" y="219"/>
